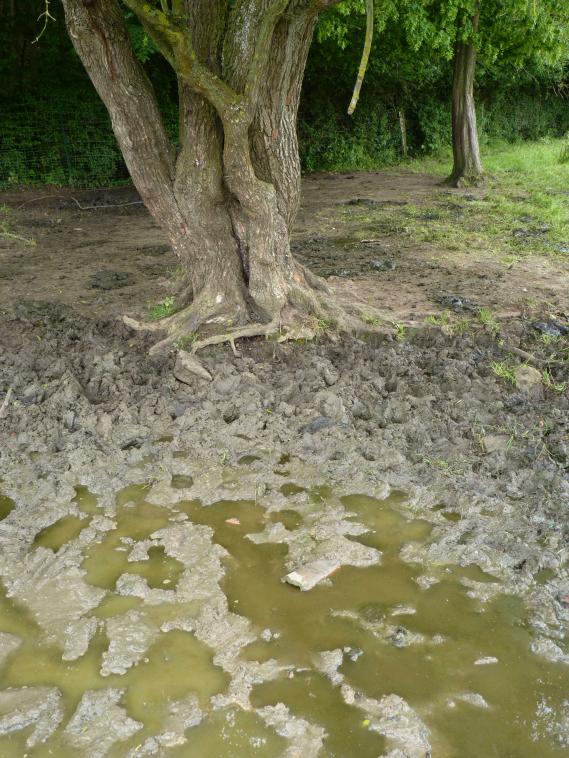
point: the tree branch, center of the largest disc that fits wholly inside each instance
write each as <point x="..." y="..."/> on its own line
<point x="262" y="53"/>
<point x="101" y="39"/>
<point x="365" y="57"/>
<point x="184" y="59"/>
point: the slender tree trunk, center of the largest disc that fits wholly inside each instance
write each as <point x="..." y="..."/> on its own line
<point x="228" y="197"/>
<point x="403" y="130"/>
<point x="467" y="164"/>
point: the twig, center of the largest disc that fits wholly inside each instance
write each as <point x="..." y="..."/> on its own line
<point x="35" y="200"/>
<point x="532" y="358"/>
<point x="96" y="207"/>
<point x="6" y="401"/>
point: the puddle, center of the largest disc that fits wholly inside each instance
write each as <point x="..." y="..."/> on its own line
<point x="181" y="481"/>
<point x="61" y="532"/>
<point x="6" y="506"/>
<point x="315" y="698"/>
<point x="289" y="518"/>
<point x="232" y="734"/>
<point x="463" y="666"/>
<point x="106" y="561"/>
<point x="86" y="501"/>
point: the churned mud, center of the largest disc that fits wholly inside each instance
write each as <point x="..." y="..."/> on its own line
<point x="412" y="487"/>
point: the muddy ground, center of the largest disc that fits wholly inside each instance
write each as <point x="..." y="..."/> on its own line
<point x="419" y="410"/>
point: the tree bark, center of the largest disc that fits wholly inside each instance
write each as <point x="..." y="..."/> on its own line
<point x="467" y="164"/>
<point x="228" y="197"/>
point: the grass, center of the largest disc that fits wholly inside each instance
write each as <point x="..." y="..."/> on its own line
<point x="400" y="330"/>
<point x="165" y="308"/>
<point x="523" y="207"/>
<point x="371" y="320"/>
<point x="6" y="228"/>
<point x="486" y="318"/>
<point x="551" y="384"/>
<point x="504" y="370"/>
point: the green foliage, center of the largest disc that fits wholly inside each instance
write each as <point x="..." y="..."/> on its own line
<point x="331" y="141"/>
<point x="504" y="370"/>
<point x="165" y="308"/>
<point x="551" y="384"/>
<point x="54" y="129"/>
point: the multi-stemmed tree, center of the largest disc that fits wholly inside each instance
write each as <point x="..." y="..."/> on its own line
<point x="227" y="194"/>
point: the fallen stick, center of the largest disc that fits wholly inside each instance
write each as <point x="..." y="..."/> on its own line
<point x="110" y="205"/>
<point x="6" y="401"/>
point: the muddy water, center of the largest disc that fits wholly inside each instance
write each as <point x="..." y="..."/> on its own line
<point x="400" y="632"/>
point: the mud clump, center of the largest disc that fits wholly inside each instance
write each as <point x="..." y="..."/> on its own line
<point x="276" y="431"/>
<point x="110" y="280"/>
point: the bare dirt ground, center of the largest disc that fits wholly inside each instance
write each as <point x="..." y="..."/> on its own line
<point x="343" y="232"/>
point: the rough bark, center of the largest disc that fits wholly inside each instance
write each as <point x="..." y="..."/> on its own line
<point x="467" y="164"/>
<point x="228" y="198"/>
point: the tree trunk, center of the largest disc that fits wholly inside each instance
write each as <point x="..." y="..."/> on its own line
<point x="467" y="165"/>
<point x="228" y="198"/>
<point x="403" y="130"/>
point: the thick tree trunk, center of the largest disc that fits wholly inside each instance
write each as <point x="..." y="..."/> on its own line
<point x="228" y="198"/>
<point x="467" y="165"/>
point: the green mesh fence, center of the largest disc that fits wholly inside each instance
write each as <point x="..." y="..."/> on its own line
<point x="64" y="143"/>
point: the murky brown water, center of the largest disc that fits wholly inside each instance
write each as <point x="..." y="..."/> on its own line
<point x="419" y="643"/>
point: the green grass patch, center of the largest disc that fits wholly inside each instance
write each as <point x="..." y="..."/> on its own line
<point x="522" y="209"/>
<point x="504" y="370"/>
<point x="165" y="308"/>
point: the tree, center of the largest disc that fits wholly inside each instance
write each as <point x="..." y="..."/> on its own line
<point x="228" y="195"/>
<point x="467" y="164"/>
<point x="514" y="31"/>
<point x="417" y="37"/>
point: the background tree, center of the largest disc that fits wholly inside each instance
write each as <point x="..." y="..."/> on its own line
<point x="228" y="196"/>
<point x="505" y="41"/>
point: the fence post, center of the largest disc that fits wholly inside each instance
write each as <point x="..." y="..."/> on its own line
<point x="65" y="146"/>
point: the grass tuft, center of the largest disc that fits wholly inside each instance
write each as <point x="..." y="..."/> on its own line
<point x="165" y="308"/>
<point x="504" y="370"/>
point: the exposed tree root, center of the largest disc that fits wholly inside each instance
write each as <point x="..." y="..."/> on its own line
<point x="310" y="310"/>
<point x="464" y="181"/>
<point x="253" y="330"/>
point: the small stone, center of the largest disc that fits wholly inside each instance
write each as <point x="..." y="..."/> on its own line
<point x="495" y="443"/>
<point x="487" y="661"/>
<point x="424" y="581"/>
<point x="403" y="610"/>
<point x="330" y="376"/>
<point x="353" y="653"/>
<point x="104" y="426"/>
<point x="188" y="367"/>
<point x="331" y="406"/>
<point x="473" y="698"/>
<point x="528" y="379"/>
<point x="233" y="521"/>
<point x="310" y="575"/>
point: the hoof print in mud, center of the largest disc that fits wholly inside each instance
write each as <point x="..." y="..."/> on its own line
<point x="110" y="280"/>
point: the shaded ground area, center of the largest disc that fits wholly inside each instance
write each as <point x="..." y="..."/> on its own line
<point x="378" y="237"/>
<point x="145" y="522"/>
